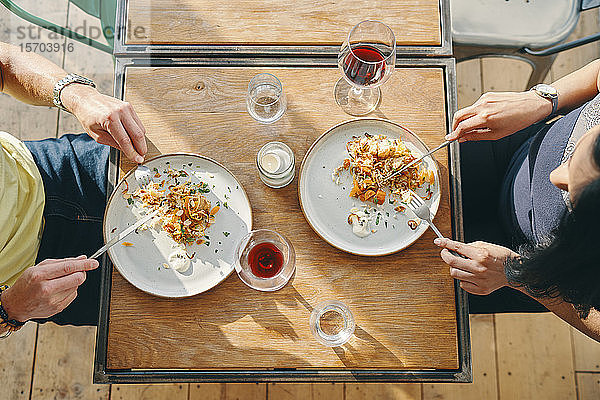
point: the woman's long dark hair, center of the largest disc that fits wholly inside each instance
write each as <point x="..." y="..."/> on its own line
<point x="568" y="267"/>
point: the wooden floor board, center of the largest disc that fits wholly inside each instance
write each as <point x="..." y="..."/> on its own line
<point x="586" y="352"/>
<point x="63" y="364"/>
<point x="383" y="391"/>
<point x="588" y="386"/>
<point x="228" y="391"/>
<point x="171" y="391"/>
<point x="16" y="363"/>
<point x="468" y="79"/>
<point x="534" y="357"/>
<point x="306" y="391"/>
<point x="483" y="350"/>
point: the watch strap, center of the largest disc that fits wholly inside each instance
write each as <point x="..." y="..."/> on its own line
<point x="10" y="325"/>
<point x="63" y="83"/>
<point x="553" y="97"/>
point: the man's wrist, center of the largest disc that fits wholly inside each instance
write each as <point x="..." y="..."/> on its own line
<point x="8" y="305"/>
<point x="74" y="95"/>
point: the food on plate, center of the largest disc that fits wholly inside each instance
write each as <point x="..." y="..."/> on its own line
<point x="371" y="158"/>
<point x="185" y="213"/>
<point x="179" y="259"/>
<point x="360" y="221"/>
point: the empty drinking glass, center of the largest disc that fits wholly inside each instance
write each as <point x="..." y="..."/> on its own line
<point x="265" y="100"/>
<point x="332" y="323"/>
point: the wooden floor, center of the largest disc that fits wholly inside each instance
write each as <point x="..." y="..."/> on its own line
<point x="515" y="356"/>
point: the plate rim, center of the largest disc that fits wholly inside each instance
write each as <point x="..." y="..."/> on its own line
<point x="131" y="171"/>
<point x="301" y="174"/>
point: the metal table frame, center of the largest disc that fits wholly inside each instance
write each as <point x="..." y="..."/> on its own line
<point x="462" y="374"/>
<point x="211" y="51"/>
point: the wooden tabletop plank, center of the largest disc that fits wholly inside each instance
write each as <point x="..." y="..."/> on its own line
<point x="277" y="22"/>
<point x="403" y="304"/>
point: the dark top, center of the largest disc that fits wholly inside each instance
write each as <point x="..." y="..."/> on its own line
<point x="531" y="206"/>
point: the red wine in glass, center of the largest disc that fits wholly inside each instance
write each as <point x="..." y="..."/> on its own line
<point x="265" y="260"/>
<point x="364" y="65"/>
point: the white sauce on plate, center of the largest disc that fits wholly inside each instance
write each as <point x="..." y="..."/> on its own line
<point x="360" y="221"/>
<point x="179" y="260"/>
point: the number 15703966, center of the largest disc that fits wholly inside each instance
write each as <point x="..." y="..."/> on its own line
<point x="46" y="47"/>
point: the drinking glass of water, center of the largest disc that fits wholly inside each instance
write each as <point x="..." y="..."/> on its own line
<point x="265" y="100"/>
<point x="332" y="323"/>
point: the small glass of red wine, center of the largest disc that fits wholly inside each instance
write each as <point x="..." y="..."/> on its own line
<point x="366" y="59"/>
<point x="265" y="260"/>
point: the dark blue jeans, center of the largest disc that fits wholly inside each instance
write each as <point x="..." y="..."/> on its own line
<point x="74" y="171"/>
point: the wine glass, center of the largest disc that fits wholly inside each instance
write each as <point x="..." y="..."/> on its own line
<point x="366" y="60"/>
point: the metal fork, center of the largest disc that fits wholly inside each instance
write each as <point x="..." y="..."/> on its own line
<point x="143" y="175"/>
<point x="418" y="206"/>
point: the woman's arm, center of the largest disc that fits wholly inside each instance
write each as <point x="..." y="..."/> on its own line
<point x="496" y="115"/>
<point x="482" y="272"/>
<point x="589" y="326"/>
<point x="30" y="78"/>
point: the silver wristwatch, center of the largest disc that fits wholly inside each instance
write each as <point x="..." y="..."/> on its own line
<point x="547" y="92"/>
<point x="63" y="83"/>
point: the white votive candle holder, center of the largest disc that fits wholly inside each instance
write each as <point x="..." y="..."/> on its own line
<point x="276" y="164"/>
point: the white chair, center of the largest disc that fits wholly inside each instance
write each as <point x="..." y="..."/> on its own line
<point x="529" y="30"/>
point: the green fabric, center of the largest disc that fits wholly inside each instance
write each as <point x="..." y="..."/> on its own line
<point x="105" y="10"/>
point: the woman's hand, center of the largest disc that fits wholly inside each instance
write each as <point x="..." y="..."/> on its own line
<point x="496" y="115"/>
<point x="107" y="120"/>
<point x="482" y="271"/>
<point x="46" y="289"/>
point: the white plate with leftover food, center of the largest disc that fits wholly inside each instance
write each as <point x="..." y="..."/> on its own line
<point x="188" y="248"/>
<point x="344" y="197"/>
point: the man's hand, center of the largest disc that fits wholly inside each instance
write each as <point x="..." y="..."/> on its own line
<point x="46" y="289"/>
<point x="107" y="120"/>
<point x="496" y="115"/>
<point x="482" y="271"/>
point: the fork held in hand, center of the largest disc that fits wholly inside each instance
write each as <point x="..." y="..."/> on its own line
<point x="418" y="206"/>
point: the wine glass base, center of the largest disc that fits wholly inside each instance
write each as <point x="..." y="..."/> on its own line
<point x="355" y="101"/>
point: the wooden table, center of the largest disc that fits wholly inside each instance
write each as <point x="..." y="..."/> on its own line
<point x="411" y="319"/>
<point x="203" y="27"/>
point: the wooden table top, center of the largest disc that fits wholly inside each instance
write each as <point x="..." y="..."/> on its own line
<point x="276" y="22"/>
<point x="403" y="304"/>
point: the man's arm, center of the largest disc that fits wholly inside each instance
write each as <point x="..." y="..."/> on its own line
<point x="31" y="78"/>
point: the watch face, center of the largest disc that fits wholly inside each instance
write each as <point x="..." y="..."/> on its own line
<point x="545" y="90"/>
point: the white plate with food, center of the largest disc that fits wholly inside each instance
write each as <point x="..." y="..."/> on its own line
<point x="346" y="201"/>
<point x="189" y="247"/>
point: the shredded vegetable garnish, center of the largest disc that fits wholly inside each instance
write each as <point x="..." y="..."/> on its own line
<point x="371" y="159"/>
<point x="185" y="213"/>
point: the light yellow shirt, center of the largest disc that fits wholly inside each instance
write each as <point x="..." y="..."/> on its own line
<point x="21" y="208"/>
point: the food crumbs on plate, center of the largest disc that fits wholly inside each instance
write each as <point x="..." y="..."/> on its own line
<point x="113" y="230"/>
<point x="226" y="234"/>
<point x="412" y="224"/>
<point x="165" y="265"/>
<point x="127" y="244"/>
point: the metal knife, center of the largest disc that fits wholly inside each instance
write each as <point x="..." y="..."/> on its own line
<point x="123" y="234"/>
<point x="410" y="164"/>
